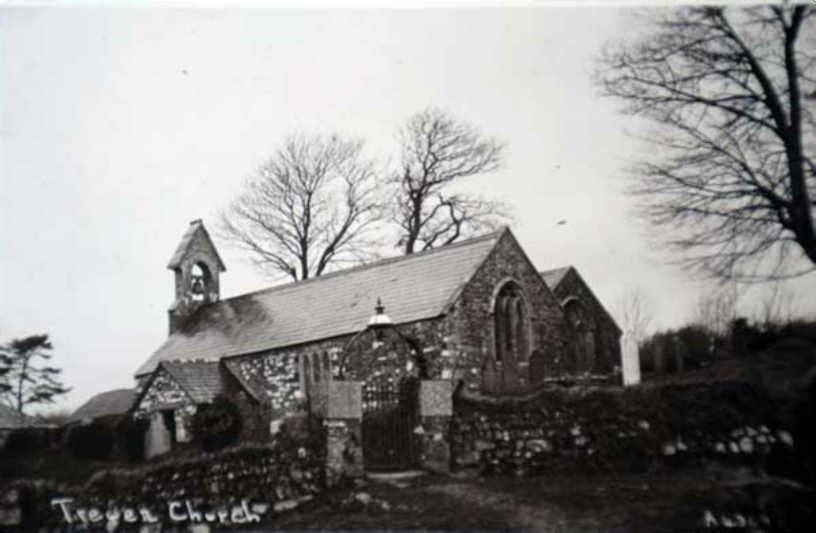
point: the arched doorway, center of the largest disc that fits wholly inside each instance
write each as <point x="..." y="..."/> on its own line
<point x="390" y="366"/>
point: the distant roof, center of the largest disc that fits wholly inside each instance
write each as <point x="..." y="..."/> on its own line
<point x="11" y="419"/>
<point x="414" y="287"/>
<point x="553" y="277"/>
<point x="201" y="380"/>
<point x="113" y="402"/>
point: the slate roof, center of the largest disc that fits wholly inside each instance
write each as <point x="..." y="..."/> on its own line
<point x="11" y="419"/>
<point x="553" y="277"/>
<point x="415" y="287"/>
<point x="201" y="380"/>
<point x="113" y="402"/>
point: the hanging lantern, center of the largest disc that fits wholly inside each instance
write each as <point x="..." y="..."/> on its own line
<point x="380" y="321"/>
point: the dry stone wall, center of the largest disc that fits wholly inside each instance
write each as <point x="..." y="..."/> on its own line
<point x="263" y="479"/>
<point x="569" y="430"/>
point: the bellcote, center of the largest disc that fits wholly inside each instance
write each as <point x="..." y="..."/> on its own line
<point x="197" y="267"/>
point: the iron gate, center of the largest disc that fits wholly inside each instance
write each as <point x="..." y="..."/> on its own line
<point x="389" y="419"/>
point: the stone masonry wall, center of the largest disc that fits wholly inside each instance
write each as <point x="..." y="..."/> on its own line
<point x="471" y="320"/>
<point x="607" y="336"/>
<point x="270" y="478"/>
<point x="625" y="430"/>
<point x="165" y="393"/>
<point x="279" y="376"/>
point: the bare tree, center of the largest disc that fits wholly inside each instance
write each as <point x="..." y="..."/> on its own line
<point x="775" y="306"/>
<point x="636" y="311"/>
<point x="716" y="310"/>
<point x="313" y="204"/>
<point x="731" y="94"/>
<point x="437" y="153"/>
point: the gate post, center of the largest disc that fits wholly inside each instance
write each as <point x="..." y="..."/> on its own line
<point x="435" y="411"/>
<point x="344" y="438"/>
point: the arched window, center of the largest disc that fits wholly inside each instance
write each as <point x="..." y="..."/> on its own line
<point x="511" y="323"/>
<point x="574" y="310"/>
<point x="307" y="372"/>
<point x="318" y="367"/>
<point x="584" y="340"/>
<point x="327" y="372"/>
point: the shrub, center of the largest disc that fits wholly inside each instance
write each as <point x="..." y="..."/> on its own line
<point x="34" y="499"/>
<point x="24" y="442"/>
<point x="301" y="430"/>
<point x="131" y="433"/>
<point x="217" y="425"/>
<point x="91" y="441"/>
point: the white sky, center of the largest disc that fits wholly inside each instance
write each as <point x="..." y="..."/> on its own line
<point x="120" y="124"/>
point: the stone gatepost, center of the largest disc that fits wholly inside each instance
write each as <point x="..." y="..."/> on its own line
<point x="435" y="411"/>
<point x="344" y="434"/>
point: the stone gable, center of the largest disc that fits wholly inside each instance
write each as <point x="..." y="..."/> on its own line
<point x="472" y="317"/>
<point x="605" y="332"/>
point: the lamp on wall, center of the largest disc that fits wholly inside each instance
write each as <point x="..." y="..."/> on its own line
<point x="380" y="321"/>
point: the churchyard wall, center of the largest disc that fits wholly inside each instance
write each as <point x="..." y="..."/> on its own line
<point x="614" y="429"/>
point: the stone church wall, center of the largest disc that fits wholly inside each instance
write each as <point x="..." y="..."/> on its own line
<point x="279" y="376"/>
<point x="165" y="393"/>
<point x="607" y="336"/>
<point x="472" y="318"/>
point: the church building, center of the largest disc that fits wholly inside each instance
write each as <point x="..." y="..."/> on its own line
<point x="477" y="312"/>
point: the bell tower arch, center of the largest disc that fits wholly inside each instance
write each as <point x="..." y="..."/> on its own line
<point x="197" y="267"/>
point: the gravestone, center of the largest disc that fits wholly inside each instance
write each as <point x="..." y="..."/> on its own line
<point x="631" y="359"/>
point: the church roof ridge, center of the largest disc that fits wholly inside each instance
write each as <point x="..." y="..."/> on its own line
<point x="373" y="264"/>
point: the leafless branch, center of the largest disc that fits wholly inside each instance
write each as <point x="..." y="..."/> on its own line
<point x="732" y="182"/>
<point x="315" y="203"/>
<point x="437" y="153"/>
<point x="636" y="311"/>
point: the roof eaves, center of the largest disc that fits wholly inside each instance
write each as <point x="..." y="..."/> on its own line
<point x="597" y="300"/>
<point x="497" y="235"/>
<point x="237" y="375"/>
<point x="180" y="382"/>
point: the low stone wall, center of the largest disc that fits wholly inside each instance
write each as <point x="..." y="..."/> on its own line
<point x="607" y="430"/>
<point x="255" y="479"/>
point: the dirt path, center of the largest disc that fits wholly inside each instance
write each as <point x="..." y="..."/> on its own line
<point x="514" y="514"/>
<point x="621" y="503"/>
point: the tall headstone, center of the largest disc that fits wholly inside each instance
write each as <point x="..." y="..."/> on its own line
<point x="631" y="359"/>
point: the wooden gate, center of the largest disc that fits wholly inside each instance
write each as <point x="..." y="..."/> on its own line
<point x="389" y="418"/>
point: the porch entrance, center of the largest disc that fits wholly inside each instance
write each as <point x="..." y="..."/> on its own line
<point x="390" y="415"/>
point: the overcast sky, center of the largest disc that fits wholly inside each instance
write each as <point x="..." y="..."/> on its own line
<point x="121" y="124"/>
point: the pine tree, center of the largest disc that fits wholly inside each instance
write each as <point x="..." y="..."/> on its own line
<point x="24" y="379"/>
